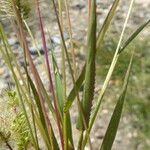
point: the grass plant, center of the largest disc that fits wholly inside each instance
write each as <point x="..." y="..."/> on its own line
<point x="38" y="105"/>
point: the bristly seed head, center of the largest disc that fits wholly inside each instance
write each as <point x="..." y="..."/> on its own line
<point x="6" y="8"/>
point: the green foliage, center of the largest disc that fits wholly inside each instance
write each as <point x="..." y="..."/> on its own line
<point x="89" y="82"/>
<point x="139" y="100"/>
<point x="115" y="119"/>
<point x="105" y="56"/>
<point x="21" y="131"/>
<point x="17" y="130"/>
<point x="137" y="104"/>
<point x="24" y="8"/>
<point x="31" y="103"/>
<point x="12" y="98"/>
<point x="6" y="8"/>
<point x="4" y="135"/>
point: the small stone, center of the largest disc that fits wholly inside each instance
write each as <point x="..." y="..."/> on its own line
<point x="56" y="40"/>
<point x="129" y="135"/>
<point x="86" y="148"/>
<point x="2" y="71"/>
<point x="34" y="51"/>
<point x="2" y="85"/>
<point x="13" y="41"/>
<point x="105" y="111"/>
<point x="7" y="76"/>
<point x="78" y="6"/>
<point x="99" y="136"/>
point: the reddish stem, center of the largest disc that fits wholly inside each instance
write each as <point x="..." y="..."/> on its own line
<point x="50" y="74"/>
<point x="24" y="45"/>
<point x="89" y="7"/>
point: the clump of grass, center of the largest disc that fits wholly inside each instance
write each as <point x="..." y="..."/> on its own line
<point x="37" y="102"/>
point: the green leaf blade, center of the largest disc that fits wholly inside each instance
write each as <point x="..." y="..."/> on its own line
<point x="133" y="36"/>
<point x="41" y="114"/>
<point x="107" y="23"/>
<point x="72" y="93"/>
<point x="115" y="119"/>
<point x="89" y="83"/>
<point x="100" y="38"/>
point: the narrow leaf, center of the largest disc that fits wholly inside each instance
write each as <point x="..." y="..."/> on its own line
<point x="133" y="36"/>
<point x="37" y="100"/>
<point x="100" y="38"/>
<point x="58" y="84"/>
<point x="107" y="22"/>
<point x="72" y="94"/>
<point x="41" y="114"/>
<point x="49" y="73"/>
<point x="59" y="93"/>
<point x="8" y="61"/>
<point x="89" y="84"/>
<point x="115" y="119"/>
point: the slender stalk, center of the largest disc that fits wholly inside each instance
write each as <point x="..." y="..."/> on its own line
<point x="64" y="78"/>
<point x="28" y="98"/>
<point x="35" y="43"/>
<point x="7" y="56"/>
<point x="5" y="140"/>
<point x="89" y="83"/>
<point x="24" y="91"/>
<point x="8" y="145"/>
<point x="70" y="68"/>
<point x="66" y="52"/>
<point x="71" y="38"/>
<point x="33" y="69"/>
<point x="89" y="6"/>
<point x="113" y="64"/>
<point x="49" y="74"/>
<point x="44" y="65"/>
<point x="34" y="126"/>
